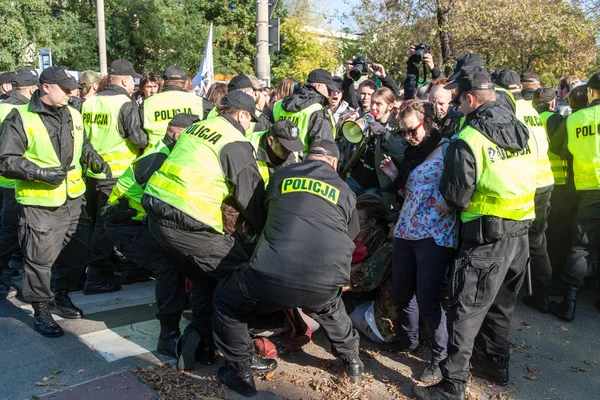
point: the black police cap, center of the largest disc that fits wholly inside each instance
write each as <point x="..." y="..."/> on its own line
<point x="123" y="68"/>
<point x="24" y="77"/>
<point x="324" y="147"/>
<point x="183" y="120"/>
<point x="470" y="82"/>
<point x="467" y="60"/>
<point x="594" y="81"/>
<point x="287" y="134"/>
<point x="240" y="82"/>
<point x="530" y="77"/>
<point x="508" y="79"/>
<point x="6" y="77"/>
<point x="322" y="76"/>
<point x="544" y="95"/>
<point x="58" y="76"/>
<point x="242" y="101"/>
<point x="174" y="73"/>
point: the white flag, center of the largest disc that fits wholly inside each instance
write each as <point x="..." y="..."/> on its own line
<point x="206" y="74"/>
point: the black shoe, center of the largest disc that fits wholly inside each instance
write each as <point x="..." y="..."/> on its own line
<point x="441" y="391"/>
<point x="486" y="368"/>
<point x="167" y="343"/>
<point x="241" y="382"/>
<point x="539" y="300"/>
<point x="6" y="291"/>
<point x="98" y="287"/>
<point x="63" y="304"/>
<point x="354" y="369"/>
<point x="207" y="353"/>
<point x="566" y="308"/>
<point x="262" y="365"/>
<point x="132" y="273"/>
<point x="432" y="374"/>
<point x="43" y="321"/>
<point x="186" y="350"/>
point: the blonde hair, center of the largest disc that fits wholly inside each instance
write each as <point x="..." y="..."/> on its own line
<point x="385" y="94"/>
<point x="285" y="88"/>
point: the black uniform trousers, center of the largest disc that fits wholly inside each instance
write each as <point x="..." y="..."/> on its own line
<point x="9" y="230"/>
<point x="541" y="268"/>
<point x="204" y="257"/>
<point x="56" y="236"/>
<point x="245" y="293"/>
<point x="564" y="206"/>
<point x="585" y="240"/>
<point x="485" y="281"/>
<point x="101" y="247"/>
<point x="137" y="244"/>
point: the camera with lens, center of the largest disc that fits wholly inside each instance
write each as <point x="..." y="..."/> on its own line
<point x="360" y="67"/>
<point x="420" y="50"/>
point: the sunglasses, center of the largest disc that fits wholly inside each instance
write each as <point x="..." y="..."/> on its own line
<point x="410" y="132"/>
<point x="66" y="90"/>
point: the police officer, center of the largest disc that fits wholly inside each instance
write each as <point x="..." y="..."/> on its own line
<point x="43" y="146"/>
<point x="5" y="85"/>
<point x="24" y="84"/>
<point x="159" y="109"/>
<point x="489" y="175"/>
<point x="113" y="125"/>
<point x="541" y="269"/>
<point x="578" y="135"/>
<point x="309" y="207"/>
<point x="124" y="221"/>
<point x="276" y="147"/>
<point x="308" y="108"/>
<point x="211" y="162"/>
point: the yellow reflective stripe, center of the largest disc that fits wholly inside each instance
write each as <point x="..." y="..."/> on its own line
<point x="183" y="174"/>
<point x="512" y="208"/>
<point x="174" y="189"/>
<point x="544" y="175"/>
<point x="118" y="157"/>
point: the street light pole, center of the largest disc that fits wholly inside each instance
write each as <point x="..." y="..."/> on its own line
<point x="101" y="37"/>
<point x="263" y="60"/>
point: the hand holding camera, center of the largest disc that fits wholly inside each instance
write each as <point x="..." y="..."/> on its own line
<point x="377" y="70"/>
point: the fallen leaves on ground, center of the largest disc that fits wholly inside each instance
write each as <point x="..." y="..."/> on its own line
<point x="173" y="385"/>
<point x="576" y="369"/>
<point x="553" y="359"/>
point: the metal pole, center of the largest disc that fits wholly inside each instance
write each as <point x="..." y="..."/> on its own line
<point x="101" y="37"/>
<point x="263" y="60"/>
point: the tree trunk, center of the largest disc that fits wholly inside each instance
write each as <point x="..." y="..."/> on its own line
<point x="445" y="37"/>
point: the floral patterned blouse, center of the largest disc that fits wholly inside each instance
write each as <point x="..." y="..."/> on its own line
<point x="418" y="218"/>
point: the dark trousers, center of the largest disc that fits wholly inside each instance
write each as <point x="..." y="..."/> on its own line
<point x="560" y="220"/>
<point x="137" y="244"/>
<point x="244" y="294"/>
<point x="419" y="268"/>
<point x="101" y="247"/>
<point x="584" y="242"/>
<point x="59" y="236"/>
<point x="541" y="268"/>
<point x="9" y="231"/>
<point x="204" y="257"/>
<point x="484" y="285"/>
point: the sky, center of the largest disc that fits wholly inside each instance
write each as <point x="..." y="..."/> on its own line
<point x="334" y="10"/>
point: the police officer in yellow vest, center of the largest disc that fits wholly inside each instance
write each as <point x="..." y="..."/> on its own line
<point x="276" y="147"/>
<point x="24" y="84"/>
<point x="125" y="224"/>
<point x="541" y="269"/>
<point x="5" y="85"/>
<point x="113" y="125"/>
<point x="212" y="162"/>
<point x="308" y="108"/>
<point x="489" y="176"/>
<point x="43" y="147"/>
<point x="174" y="98"/>
<point x="579" y="136"/>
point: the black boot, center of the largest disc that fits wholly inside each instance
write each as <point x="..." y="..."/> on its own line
<point x="492" y="369"/>
<point x="566" y="308"/>
<point x="6" y="291"/>
<point x="167" y="340"/>
<point x="207" y="353"/>
<point x="132" y="273"/>
<point x="100" y="281"/>
<point x="241" y="382"/>
<point x="262" y="365"/>
<point x="354" y="369"/>
<point x="539" y="300"/>
<point x="62" y="303"/>
<point x="186" y="349"/>
<point x="43" y="321"/>
<point x="441" y="391"/>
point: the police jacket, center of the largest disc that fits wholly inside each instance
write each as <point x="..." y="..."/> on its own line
<point x="553" y="122"/>
<point x="496" y="123"/>
<point x="311" y="221"/>
<point x="13" y="140"/>
<point x="130" y="118"/>
<point x="239" y="168"/>
<point x="16" y="98"/>
<point x="319" y="125"/>
<point x="449" y="124"/>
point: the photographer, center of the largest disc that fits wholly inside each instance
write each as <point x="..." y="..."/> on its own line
<point x="418" y="55"/>
<point x="367" y="87"/>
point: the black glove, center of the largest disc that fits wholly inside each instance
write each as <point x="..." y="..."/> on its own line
<point x="118" y="213"/>
<point x="100" y="166"/>
<point x="53" y="176"/>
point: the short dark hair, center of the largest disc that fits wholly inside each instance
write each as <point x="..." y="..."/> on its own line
<point x="368" y="83"/>
<point x="150" y="77"/>
<point x="228" y="110"/>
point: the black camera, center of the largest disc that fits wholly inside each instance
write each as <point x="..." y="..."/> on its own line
<point x="420" y="50"/>
<point x="360" y="67"/>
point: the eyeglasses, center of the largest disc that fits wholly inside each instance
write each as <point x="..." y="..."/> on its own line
<point x="66" y="90"/>
<point x="411" y="132"/>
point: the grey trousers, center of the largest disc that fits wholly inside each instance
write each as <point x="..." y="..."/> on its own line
<point x="50" y="236"/>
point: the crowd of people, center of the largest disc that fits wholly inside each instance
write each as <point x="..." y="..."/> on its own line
<point x="260" y="211"/>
